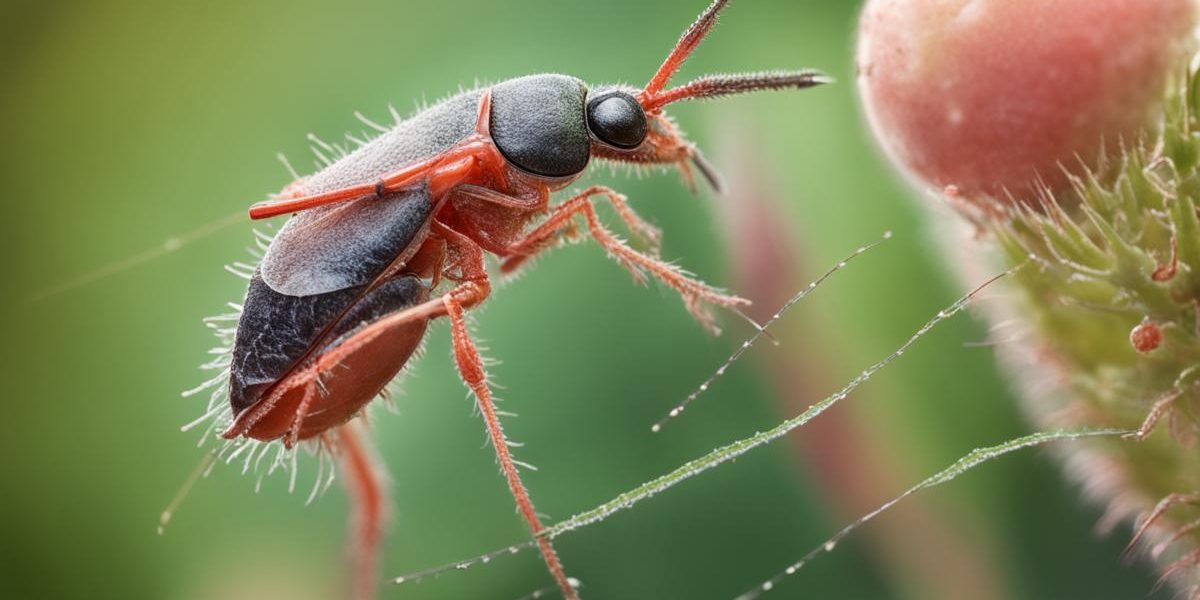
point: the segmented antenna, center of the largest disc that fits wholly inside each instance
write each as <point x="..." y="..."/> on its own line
<point x="653" y="98"/>
<point x="687" y="44"/>
<point x="728" y="84"/>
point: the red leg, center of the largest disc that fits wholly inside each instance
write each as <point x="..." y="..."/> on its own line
<point x="470" y="367"/>
<point x="446" y="170"/>
<point x="285" y="410"/>
<point x="442" y="172"/>
<point x="560" y="223"/>
<point x="366" y="482"/>
<point x="310" y="394"/>
<point x="696" y="294"/>
<point x="469" y="259"/>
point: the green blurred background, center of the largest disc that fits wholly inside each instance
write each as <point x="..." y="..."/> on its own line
<point x="127" y="123"/>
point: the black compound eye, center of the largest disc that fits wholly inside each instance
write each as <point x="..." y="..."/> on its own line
<point x="617" y="119"/>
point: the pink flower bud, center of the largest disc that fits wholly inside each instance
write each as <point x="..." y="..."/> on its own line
<point x="991" y="95"/>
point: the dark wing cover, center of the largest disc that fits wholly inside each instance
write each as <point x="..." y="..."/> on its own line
<point x="344" y="245"/>
<point x="276" y="330"/>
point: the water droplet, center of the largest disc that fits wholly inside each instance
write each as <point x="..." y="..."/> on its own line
<point x="791" y="570"/>
<point x="767" y="586"/>
<point x="655" y="428"/>
<point x="830" y="545"/>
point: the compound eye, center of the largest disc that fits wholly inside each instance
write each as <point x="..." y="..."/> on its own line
<point x="617" y="119"/>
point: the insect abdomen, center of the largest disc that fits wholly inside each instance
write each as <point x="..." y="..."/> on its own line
<point x="278" y="335"/>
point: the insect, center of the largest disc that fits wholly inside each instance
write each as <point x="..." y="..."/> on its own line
<point x="395" y="234"/>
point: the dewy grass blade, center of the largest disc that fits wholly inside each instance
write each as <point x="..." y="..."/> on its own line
<point x="762" y="331"/>
<point x="716" y="457"/>
<point x="970" y="461"/>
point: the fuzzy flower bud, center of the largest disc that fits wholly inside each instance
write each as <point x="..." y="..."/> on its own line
<point x="1059" y="105"/>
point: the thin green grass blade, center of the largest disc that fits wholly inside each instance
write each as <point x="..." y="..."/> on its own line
<point x="970" y="461"/>
<point x="717" y="457"/>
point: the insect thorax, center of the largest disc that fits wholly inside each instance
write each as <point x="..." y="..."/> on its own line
<point x="539" y="124"/>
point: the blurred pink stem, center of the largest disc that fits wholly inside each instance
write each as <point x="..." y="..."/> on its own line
<point x="919" y="547"/>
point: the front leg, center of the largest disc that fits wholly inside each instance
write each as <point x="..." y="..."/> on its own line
<point x="696" y="294"/>
<point x="472" y="157"/>
<point x="561" y="225"/>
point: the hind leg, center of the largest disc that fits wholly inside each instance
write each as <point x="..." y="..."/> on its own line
<point x="366" y="482"/>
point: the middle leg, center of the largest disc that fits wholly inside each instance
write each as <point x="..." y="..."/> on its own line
<point x="696" y="294"/>
<point x="467" y="264"/>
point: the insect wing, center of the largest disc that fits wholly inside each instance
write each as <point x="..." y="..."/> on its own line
<point x="335" y="247"/>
